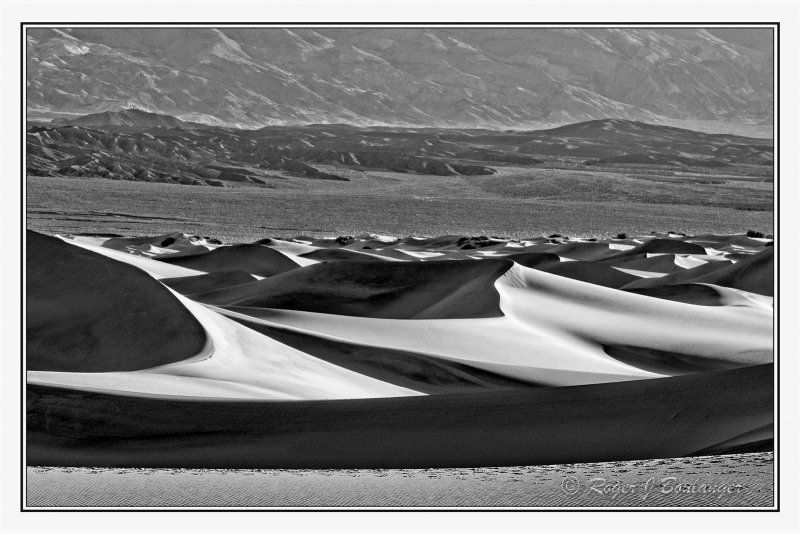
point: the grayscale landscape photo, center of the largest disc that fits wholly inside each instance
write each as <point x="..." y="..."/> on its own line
<point x="408" y="267"/>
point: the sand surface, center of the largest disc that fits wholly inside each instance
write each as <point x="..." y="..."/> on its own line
<point x="740" y="480"/>
<point x="376" y="351"/>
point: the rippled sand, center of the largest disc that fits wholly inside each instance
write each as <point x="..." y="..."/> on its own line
<point x="738" y="480"/>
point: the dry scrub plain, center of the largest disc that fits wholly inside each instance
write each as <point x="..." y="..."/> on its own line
<point x="516" y="203"/>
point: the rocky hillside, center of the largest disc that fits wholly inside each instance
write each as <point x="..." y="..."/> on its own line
<point x="218" y="156"/>
<point x="442" y="77"/>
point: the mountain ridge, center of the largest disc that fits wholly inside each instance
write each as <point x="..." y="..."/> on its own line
<point x="439" y="77"/>
<point x="129" y="117"/>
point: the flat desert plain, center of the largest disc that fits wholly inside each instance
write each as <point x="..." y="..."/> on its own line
<point x="736" y="480"/>
<point x="591" y="179"/>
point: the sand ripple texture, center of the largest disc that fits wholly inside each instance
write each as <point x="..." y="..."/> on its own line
<point x="741" y="480"/>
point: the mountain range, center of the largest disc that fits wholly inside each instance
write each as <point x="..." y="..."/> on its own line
<point x="431" y="77"/>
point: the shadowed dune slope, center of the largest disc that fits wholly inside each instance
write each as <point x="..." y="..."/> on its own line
<point x="395" y="290"/>
<point x="706" y="295"/>
<point x="726" y="241"/>
<point x="189" y="285"/>
<point x="584" y="251"/>
<point x="281" y="245"/>
<point x="593" y="273"/>
<point x="666" y="362"/>
<point x="420" y="372"/>
<point x="699" y="294"/>
<point x="662" y="246"/>
<point x="340" y="254"/>
<point x="175" y="243"/>
<point x="253" y="259"/>
<point x="659" y="418"/>
<point x="392" y="254"/>
<point x="737" y="256"/>
<point x="662" y="263"/>
<point x="443" y="242"/>
<point x="123" y="243"/>
<point x="685" y="276"/>
<point x="753" y="274"/>
<point x="535" y="260"/>
<point x="89" y="313"/>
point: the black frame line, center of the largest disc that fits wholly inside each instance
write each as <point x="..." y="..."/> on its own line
<point x="775" y="26"/>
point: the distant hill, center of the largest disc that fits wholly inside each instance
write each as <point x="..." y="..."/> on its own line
<point x="434" y="77"/>
<point x="135" y="118"/>
<point x="216" y="156"/>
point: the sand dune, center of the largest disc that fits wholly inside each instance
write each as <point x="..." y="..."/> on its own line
<point x="421" y="372"/>
<point x="704" y="295"/>
<point x="296" y="246"/>
<point x="683" y="276"/>
<point x="430" y="290"/>
<point x="664" y="246"/>
<point x="721" y="333"/>
<point x="176" y="243"/>
<point x="554" y="329"/>
<point x="728" y="242"/>
<point x="659" y="263"/>
<point x="668" y="417"/>
<point x="584" y="251"/>
<point x="203" y="283"/>
<point x="501" y="345"/>
<point x="254" y="259"/>
<point x="534" y="260"/>
<point x="442" y="338"/>
<point x="291" y="249"/>
<point x="86" y="313"/>
<point x="156" y="269"/>
<point x="699" y="294"/>
<point x="341" y="254"/>
<point x="239" y="363"/>
<point x="593" y="273"/>
<point x="754" y="274"/>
